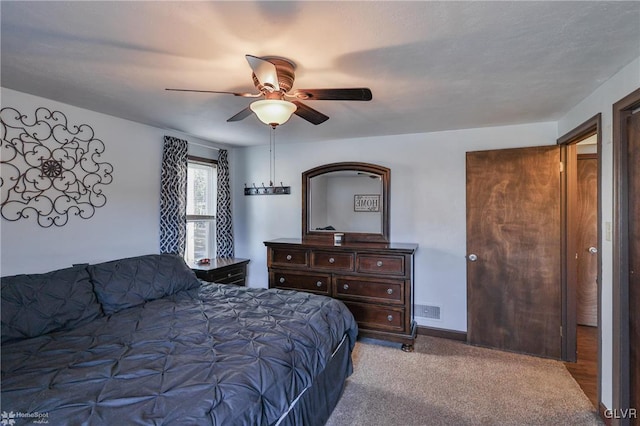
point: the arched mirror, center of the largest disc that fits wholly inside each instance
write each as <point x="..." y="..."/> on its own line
<point x="346" y="198"/>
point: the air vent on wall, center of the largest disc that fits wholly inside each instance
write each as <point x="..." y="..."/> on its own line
<point x="428" y="311"/>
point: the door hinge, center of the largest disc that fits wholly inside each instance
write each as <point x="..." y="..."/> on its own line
<point x="561" y="167"/>
<point x="561" y="332"/>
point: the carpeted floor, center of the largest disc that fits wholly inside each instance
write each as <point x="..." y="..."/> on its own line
<point x="445" y="382"/>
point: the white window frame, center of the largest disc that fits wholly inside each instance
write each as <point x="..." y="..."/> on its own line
<point x="194" y="218"/>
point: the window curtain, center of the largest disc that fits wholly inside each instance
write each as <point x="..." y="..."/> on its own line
<point x="173" y="196"/>
<point x="224" y="228"/>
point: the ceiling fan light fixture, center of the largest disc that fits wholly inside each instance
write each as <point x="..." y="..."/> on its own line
<point x="273" y="112"/>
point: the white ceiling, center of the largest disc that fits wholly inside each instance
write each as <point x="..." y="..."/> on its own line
<point x="431" y="66"/>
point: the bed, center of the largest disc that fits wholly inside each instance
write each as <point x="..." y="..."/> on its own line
<point x="190" y="354"/>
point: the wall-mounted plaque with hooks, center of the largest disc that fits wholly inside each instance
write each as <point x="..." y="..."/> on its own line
<point x="266" y="190"/>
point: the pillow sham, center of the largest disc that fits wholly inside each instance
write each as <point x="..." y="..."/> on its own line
<point x="37" y="304"/>
<point x="124" y="283"/>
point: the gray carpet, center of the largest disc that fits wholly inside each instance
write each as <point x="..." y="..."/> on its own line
<point x="450" y="383"/>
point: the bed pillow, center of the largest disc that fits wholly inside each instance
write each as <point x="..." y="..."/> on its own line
<point x="37" y="304"/>
<point x="124" y="283"/>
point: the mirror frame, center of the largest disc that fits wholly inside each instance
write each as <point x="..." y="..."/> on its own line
<point x="349" y="237"/>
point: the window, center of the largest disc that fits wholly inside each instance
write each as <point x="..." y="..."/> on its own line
<point x="202" y="180"/>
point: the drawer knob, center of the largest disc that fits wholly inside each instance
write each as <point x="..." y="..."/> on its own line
<point x="229" y="275"/>
<point x="319" y="284"/>
<point x="282" y="280"/>
<point x="289" y="257"/>
<point x="379" y="263"/>
<point x="332" y="260"/>
<point x="389" y="291"/>
<point x="346" y="286"/>
<point x="390" y="318"/>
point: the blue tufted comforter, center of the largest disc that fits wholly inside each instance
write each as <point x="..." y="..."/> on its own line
<point x="217" y="354"/>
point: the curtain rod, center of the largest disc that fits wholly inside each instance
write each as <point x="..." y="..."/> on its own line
<point x="205" y="146"/>
<point x="193" y="143"/>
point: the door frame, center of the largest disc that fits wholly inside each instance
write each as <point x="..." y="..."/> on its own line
<point x="621" y="340"/>
<point x="569" y="158"/>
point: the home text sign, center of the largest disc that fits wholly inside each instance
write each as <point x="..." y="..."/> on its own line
<point x="366" y="203"/>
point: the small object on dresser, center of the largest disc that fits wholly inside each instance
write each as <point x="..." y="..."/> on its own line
<point x="204" y="261"/>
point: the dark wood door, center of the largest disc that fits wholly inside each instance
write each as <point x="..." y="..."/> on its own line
<point x="513" y="230"/>
<point x="633" y="128"/>
<point x="587" y="240"/>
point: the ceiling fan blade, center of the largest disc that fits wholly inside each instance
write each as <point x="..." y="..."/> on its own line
<point x="243" y="94"/>
<point x="309" y="114"/>
<point x="265" y="71"/>
<point x="354" y="94"/>
<point x="241" y="115"/>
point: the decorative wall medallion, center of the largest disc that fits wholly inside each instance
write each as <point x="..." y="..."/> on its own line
<point x="50" y="169"/>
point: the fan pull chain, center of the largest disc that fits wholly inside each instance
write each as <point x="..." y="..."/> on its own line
<point x="271" y="189"/>
<point x="272" y="156"/>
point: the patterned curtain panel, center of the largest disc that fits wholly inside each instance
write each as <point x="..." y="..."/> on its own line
<point x="173" y="196"/>
<point x="224" y="228"/>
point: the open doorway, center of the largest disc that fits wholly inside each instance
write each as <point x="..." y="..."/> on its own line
<point x="587" y="233"/>
<point x="585" y="370"/>
<point x="581" y="262"/>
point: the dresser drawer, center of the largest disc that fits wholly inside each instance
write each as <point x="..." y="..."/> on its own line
<point x="377" y="264"/>
<point x="382" y="291"/>
<point x="313" y="283"/>
<point x="285" y="256"/>
<point x="377" y="317"/>
<point x="332" y="260"/>
<point x="234" y="275"/>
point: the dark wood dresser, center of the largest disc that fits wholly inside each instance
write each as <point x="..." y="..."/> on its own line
<point x="231" y="270"/>
<point x="374" y="280"/>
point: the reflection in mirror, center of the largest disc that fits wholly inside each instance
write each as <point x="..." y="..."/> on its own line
<point x="345" y="201"/>
<point x="347" y="198"/>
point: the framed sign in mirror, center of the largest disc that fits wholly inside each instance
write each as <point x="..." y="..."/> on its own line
<point x="366" y="203"/>
<point x="350" y="198"/>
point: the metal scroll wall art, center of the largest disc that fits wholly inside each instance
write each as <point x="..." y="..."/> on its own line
<point x="50" y="169"/>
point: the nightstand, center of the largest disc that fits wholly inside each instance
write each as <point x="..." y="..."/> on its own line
<point x="231" y="270"/>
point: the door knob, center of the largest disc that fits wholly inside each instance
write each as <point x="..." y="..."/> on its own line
<point x="472" y="257"/>
<point x="593" y="250"/>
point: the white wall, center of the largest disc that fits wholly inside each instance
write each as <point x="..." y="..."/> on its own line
<point x="128" y="225"/>
<point x="601" y="101"/>
<point x="427" y="200"/>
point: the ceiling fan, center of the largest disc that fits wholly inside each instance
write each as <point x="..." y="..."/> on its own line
<point x="273" y="77"/>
